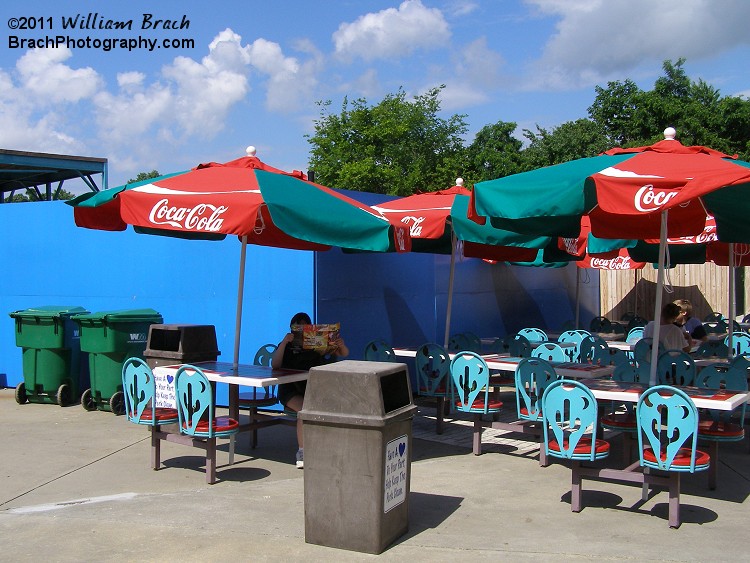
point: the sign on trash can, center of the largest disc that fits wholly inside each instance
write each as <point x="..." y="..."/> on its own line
<point x="358" y="439"/>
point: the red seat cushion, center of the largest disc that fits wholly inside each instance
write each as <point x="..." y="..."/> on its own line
<point x="478" y="404"/>
<point x="626" y="421"/>
<point x="221" y="424"/>
<point x="583" y="446"/>
<point x="715" y="428"/>
<point x="162" y="413"/>
<point x="525" y="412"/>
<point x="682" y="459"/>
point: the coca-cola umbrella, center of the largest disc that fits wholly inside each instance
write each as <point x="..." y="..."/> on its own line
<point x="214" y="200"/>
<point x="438" y="224"/>
<point x="665" y="189"/>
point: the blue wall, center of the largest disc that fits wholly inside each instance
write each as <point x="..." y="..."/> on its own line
<point x="47" y="260"/>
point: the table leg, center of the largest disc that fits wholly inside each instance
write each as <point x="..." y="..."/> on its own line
<point x="234" y="402"/>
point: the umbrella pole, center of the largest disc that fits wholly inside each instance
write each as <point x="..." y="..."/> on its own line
<point x="578" y="296"/>
<point x="449" y="305"/>
<point x="659" y="298"/>
<point x="732" y="313"/>
<point x="240" y="296"/>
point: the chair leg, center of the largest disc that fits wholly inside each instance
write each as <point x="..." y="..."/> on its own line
<point x="477" y="440"/>
<point x="713" y="467"/>
<point x="674" y="500"/>
<point x="543" y="459"/>
<point x="211" y="461"/>
<point x="576" y="489"/>
<point x="254" y="439"/>
<point x="155" y="449"/>
<point x="440" y="413"/>
<point x="231" y="449"/>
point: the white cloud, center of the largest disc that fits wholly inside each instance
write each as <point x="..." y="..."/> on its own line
<point x="44" y="76"/>
<point x="597" y="40"/>
<point x="392" y="32"/>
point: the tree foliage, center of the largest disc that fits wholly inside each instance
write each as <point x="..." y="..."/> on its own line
<point x="144" y="176"/>
<point x="397" y="146"/>
<point x="400" y="146"/>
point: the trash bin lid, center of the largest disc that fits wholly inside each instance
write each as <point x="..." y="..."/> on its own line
<point x="48" y="312"/>
<point x="123" y="316"/>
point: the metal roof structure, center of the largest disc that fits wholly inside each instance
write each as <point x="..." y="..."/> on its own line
<point x="45" y="173"/>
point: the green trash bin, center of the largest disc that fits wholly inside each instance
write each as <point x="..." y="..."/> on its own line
<point x="110" y="338"/>
<point x="51" y="354"/>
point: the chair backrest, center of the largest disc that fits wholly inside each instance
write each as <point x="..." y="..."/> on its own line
<point x="634" y="322"/>
<point x="569" y="411"/>
<point x="519" y="346"/>
<point x="642" y="350"/>
<point x="471" y="376"/>
<point x="741" y="362"/>
<point x="594" y="350"/>
<point x="713" y="317"/>
<point x="534" y="334"/>
<point x="473" y="342"/>
<point x="574" y="336"/>
<point x="634" y="334"/>
<point x="740" y="343"/>
<point x="433" y="367"/>
<point x="600" y="324"/>
<point x="139" y="389"/>
<point x="712" y="349"/>
<point x="458" y="342"/>
<point x="723" y="376"/>
<point x="550" y="351"/>
<point x="627" y="373"/>
<point x="195" y="400"/>
<point x="746" y="318"/>
<point x="667" y="421"/>
<point x="716" y="327"/>
<point x="499" y="346"/>
<point x="675" y="367"/>
<point x="627" y="316"/>
<point x="533" y="375"/>
<point x="379" y="351"/>
<point x="264" y="355"/>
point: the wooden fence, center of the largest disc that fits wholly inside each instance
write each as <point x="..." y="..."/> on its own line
<point x="705" y="285"/>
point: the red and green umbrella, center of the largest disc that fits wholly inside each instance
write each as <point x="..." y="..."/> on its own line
<point x="666" y="189"/>
<point x="247" y="198"/>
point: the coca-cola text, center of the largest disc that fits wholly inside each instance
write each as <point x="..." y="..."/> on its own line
<point x="202" y="217"/>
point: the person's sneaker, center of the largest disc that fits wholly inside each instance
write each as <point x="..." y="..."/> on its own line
<point x="300" y="459"/>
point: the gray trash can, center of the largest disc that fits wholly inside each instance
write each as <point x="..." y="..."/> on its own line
<point x="358" y="438"/>
<point x="180" y="344"/>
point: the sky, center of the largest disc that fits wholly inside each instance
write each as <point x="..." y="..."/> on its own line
<point x="203" y="80"/>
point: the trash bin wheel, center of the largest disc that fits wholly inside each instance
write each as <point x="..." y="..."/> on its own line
<point x="63" y="395"/>
<point x="87" y="401"/>
<point x="117" y="403"/>
<point x="21" y="397"/>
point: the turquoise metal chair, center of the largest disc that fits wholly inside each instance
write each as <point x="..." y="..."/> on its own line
<point x="740" y="343"/>
<point x="534" y="334"/>
<point x="574" y="336"/>
<point x="712" y="349"/>
<point x="675" y="367"/>
<point x="533" y="376"/>
<point x="519" y="346"/>
<point x="622" y="417"/>
<point x="642" y="351"/>
<point x="474" y="342"/>
<point x="716" y="327"/>
<point x="550" y="351"/>
<point x="197" y="414"/>
<point x="379" y="351"/>
<point x="465" y="341"/>
<point x="471" y="378"/>
<point x="433" y="366"/>
<point x="713" y="317"/>
<point x="634" y="334"/>
<point x="668" y="439"/>
<point x="569" y="413"/>
<point x="594" y="350"/>
<point x="600" y="324"/>
<point x="139" y="387"/>
<point x="259" y="397"/>
<point x="719" y="426"/>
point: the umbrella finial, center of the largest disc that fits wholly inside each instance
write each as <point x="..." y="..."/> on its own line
<point x="459" y="181"/>
<point x="669" y="134"/>
<point x="250" y="150"/>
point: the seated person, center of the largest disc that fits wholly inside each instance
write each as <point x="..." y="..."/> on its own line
<point x="671" y="336"/>
<point x="292" y="395"/>
<point x="694" y="327"/>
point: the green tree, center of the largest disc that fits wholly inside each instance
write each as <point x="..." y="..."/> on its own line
<point x="571" y="140"/>
<point x="493" y="153"/>
<point x="397" y="146"/>
<point x="144" y="176"/>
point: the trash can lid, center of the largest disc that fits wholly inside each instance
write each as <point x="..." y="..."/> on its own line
<point x="126" y="315"/>
<point x="48" y="311"/>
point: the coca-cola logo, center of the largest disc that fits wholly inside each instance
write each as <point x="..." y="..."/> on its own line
<point x="415" y="225"/>
<point x="619" y="263"/>
<point x="570" y="246"/>
<point x="201" y="217"/>
<point x="648" y="199"/>
<point x="400" y="239"/>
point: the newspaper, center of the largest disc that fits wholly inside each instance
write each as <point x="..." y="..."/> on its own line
<point x="314" y="337"/>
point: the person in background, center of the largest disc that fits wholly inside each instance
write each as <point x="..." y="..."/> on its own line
<point x="694" y="327"/>
<point x="671" y="336"/>
<point x="292" y="395"/>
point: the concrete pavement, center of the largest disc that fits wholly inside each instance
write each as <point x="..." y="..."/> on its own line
<point x="77" y="486"/>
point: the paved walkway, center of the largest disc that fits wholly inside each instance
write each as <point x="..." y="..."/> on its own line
<point x="76" y="486"/>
